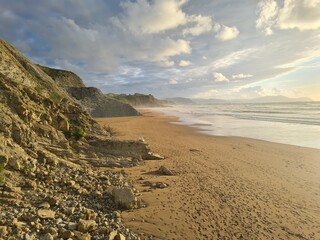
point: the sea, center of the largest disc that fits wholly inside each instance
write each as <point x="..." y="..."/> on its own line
<point x="295" y="123"/>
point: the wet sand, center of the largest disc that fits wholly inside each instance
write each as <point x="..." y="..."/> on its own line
<point x="224" y="187"/>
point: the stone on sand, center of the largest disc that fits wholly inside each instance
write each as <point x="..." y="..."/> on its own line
<point x="165" y="171"/>
<point x="124" y="197"/>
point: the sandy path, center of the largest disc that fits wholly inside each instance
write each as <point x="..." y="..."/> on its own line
<point x="225" y="188"/>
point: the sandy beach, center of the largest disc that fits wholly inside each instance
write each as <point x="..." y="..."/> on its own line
<point x="223" y="187"/>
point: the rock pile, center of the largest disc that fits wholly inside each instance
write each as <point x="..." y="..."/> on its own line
<point x="63" y="202"/>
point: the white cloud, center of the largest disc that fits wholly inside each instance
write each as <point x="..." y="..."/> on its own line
<point x="166" y="63"/>
<point x="225" y="33"/>
<point x="173" y="81"/>
<point x="299" y="14"/>
<point x="158" y="16"/>
<point x="202" y="24"/>
<point x="104" y="53"/>
<point x="233" y="58"/>
<point x="148" y="17"/>
<point x="219" y="77"/>
<point x="130" y="71"/>
<point x="241" y="76"/>
<point x="268" y="11"/>
<point x="184" y="63"/>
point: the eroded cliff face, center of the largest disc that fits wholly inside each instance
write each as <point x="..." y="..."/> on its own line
<point x="64" y="78"/>
<point x="95" y="102"/>
<point x="99" y="105"/>
<point x="39" y="120"/>
<point x="49" y="148"/>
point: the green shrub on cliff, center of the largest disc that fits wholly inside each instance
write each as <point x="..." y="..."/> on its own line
<point x="79" y="133"/>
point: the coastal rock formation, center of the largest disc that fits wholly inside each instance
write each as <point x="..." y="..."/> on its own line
<point x="49" y="145"/>
<point x="95" y="102"/>
<point x="64" y="78"/>
<point x="100" y="105"/>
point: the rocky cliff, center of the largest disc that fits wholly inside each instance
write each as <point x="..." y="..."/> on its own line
<point x="64" y="78"/>
<point x="100" y="105"/>
<point x="49" y="146"/>
<point x="96" y="103"/>
<point x="139" y="100"/>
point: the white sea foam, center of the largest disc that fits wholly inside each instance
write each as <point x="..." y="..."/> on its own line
<point x="289" y="123"/>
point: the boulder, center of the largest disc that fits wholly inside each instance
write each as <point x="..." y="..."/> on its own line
<point x="124" y="197"/>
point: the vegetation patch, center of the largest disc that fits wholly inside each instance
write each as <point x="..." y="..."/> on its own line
<point x="110" y="130"/>
<point x="55" y="97"/>
<point x="79" y="133"/>
<point x="39" y="88"/>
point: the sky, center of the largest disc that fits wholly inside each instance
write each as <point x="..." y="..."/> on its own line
<point x="174" y="48"/>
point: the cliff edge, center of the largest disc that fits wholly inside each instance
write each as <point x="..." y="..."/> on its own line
<point x="95" y="102"/>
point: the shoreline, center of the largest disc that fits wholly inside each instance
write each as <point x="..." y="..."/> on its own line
<point x="224" y="187"/>
<point x="278" y="132"/>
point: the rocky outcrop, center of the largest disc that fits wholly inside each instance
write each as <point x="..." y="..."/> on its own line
<point x="64" y="78"/>
<point x="139" y="100"/>
<point x="100" y="105"/>
<point x="95" y="102"/>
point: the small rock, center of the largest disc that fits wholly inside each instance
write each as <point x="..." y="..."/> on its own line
<point x="91" y="215"/>
<point x="66" y="234"/>
<point x="114" y="235"/>
<point x="161" y="185"/>
<point x="46" y="214"/>
<point x="86" y="225"/>
<point x="147" y="183"/>
<point x="72" y="226"/>
<point x="120" y="237"/>
<point x="53" y="231"/>
<point x="30" y="184"/>
<point x="3" y="231"/>
<point x="47" y="236"/>
<point x="153" y="156"/>
<point x="165" y="171"/>
<point x="194" y="150"/>
<point x="70" y="210"/>
<point x="52" y="201"/>
<point x="14" y="163"/>
<point x="124" y="197"/>
<point x="86" y="236"/>
<point x="44" y="205"/>
<point x="3" y="160"/>
<point x="103" y="230"/>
